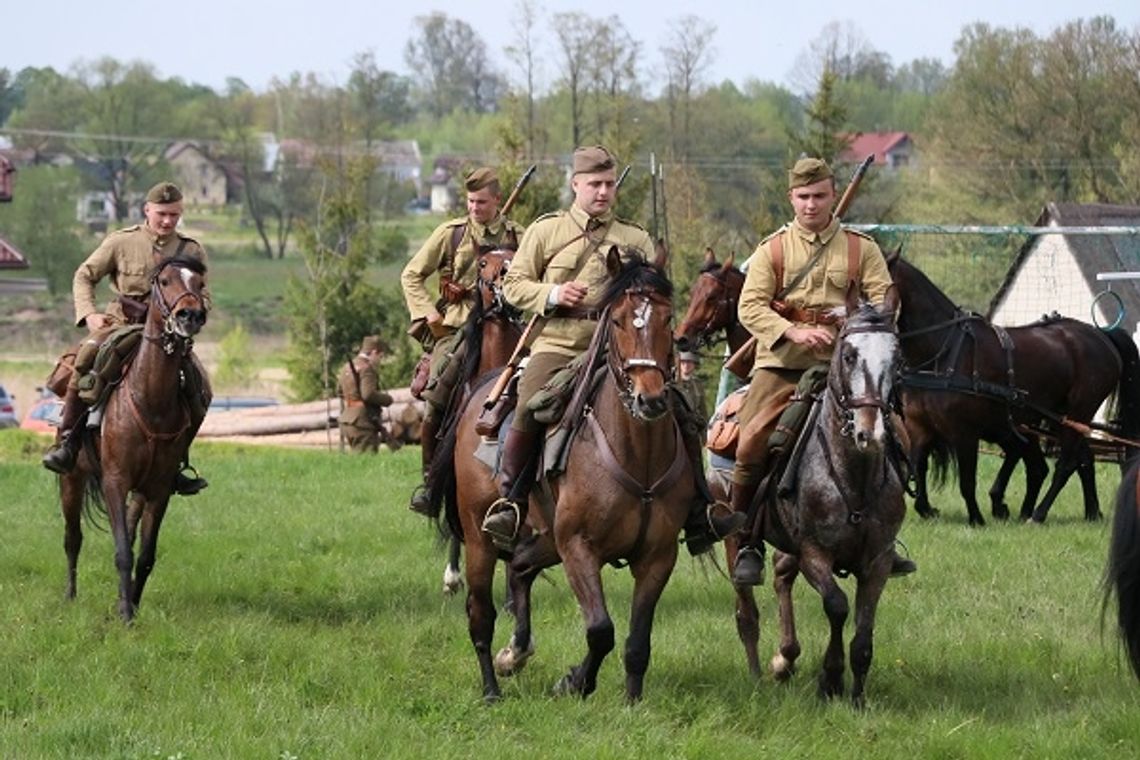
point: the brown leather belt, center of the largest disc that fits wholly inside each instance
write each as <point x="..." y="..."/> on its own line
<point x="809" y="316"/>
<point x="575" y="312"/>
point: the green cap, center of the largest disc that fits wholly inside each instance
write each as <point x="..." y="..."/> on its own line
<point x="482" y="177"/>
<point x="808" y="171"/>
<point x="591" y="159"/>
<point x="164" y="192"/>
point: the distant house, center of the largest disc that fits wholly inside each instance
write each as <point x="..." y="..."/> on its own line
<point x="443" y="183"/>
<point x="892" y="150"/>
<point x="203" y="180"/>
<point x="11" y="257"/>
<point x="399" y="159"/>
<point x="1058" y="273"/>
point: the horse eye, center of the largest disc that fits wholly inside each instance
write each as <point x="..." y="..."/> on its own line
<point x="849" y="358"/>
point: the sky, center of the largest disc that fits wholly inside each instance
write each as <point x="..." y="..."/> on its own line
<point x="208" y="41"/>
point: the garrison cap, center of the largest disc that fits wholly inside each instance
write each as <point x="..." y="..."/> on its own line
<point x="482" y="177"/>
<point x="373" y="343"/>
<point x="689" y="356"/>
<point x="808" y="171"/>
<point x="591" y="159"/>
<point x="164" y="192"/>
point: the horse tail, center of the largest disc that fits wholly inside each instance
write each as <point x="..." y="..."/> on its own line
<point x="442" y="507"/>
<point x="943" y="459"/>
<point x="1122" y="575"/>
<point x="1126" y="405"/>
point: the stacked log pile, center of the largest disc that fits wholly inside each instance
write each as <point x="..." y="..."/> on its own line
<point x="310" y="424"/>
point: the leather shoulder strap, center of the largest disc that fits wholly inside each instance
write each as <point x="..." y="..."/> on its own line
<point x="852" y="257"/>
<point x="776" y="251"/>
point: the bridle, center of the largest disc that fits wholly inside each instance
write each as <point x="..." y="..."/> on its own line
<point x="848" y="405"/>
<point x="499" y="306"/>
<point x="171" y="338"/>
<point x="724" y="309"/>
<point x="646" y="298"/>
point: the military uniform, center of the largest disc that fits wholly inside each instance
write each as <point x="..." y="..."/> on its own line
<point x="359" y="386"/>
<point x="780" y="362"/>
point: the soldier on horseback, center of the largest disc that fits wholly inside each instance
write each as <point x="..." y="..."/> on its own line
<point x="451" y="250"/>
<point x="126" y="258"/>
<point x="560" y="273"/>
<point x="795" y="325"/>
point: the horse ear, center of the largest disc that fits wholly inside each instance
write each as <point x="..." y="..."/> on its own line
<point x="710" y="258"/>
<point x="613" y="261"/>
<point x="730" y="261"/>
<point x="852" y="297"/>
<point x="892" y="255"/>
<point x="662" y="253"/>
<point x="891" y="300"/>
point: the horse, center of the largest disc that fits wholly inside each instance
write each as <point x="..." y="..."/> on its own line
<point x="713" y="302"/>
<point x="127" y="468"/>
<point x="1122" y="571"/>
<point x="969" y="380"/>
<point x="623" y="494"/>
<point x="848" y="501"/>
<point x="491" y="332"/>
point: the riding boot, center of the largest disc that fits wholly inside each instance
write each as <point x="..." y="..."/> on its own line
<point x="705" y="526"/>
<point x="187" y="481"/>
<point x="749" y="567"/>
<point x="516" y="475"/>
<point x="60" y="458"/>
<point x="421" y="496"/>
<point x="901" y="566"/>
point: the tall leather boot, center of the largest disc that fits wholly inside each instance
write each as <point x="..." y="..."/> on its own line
<point x="749" y="567"/>
<point x="705" y="526"/>
<point x="60" y="458"/>
<point x="421" y="497"/>
<point x="516" y="474"/>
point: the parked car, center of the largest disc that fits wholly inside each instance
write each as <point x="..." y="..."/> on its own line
<point x="45" y="413"/>
<point x="7" y="410"/>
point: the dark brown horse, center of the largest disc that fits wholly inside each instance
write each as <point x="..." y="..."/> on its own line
<point x="624" y="494"/>
<point x="848" y="501"/>
<point x="713" y="301"/>
<point x="127" y="467"/>
<point x="969" y="380"/>
<point x="490" y="334"/>
<point x="1122" y="573"/>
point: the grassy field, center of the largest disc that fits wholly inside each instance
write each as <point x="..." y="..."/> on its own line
<point x="295" y="612"/>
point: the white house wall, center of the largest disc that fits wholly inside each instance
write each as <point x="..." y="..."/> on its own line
<point x="1049" y="280"/>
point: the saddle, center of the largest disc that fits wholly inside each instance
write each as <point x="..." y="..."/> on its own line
<point x="111" y="361"/>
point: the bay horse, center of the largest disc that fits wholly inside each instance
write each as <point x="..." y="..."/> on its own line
<point x="969" y="380"/>
<point x="490" y="334"/>
<point x="127" y="468"/>
<point x="624" y="493"/>
<point x="1122" y="572"/>
<point x="848" y="503"/>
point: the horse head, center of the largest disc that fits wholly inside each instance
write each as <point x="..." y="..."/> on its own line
<point x="176" y="292"/>
<point x="638" y="316"/>
<point x="491" y="269"/>
<point x="712" y="303"/>
<point x="863" y="369"/>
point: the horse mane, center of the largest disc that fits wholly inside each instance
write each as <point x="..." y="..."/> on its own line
<point x="636" y="272"/>
<point x="473" y="339"/>
<point x="930" y="290"/>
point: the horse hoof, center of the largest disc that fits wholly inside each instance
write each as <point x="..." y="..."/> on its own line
<point x="510" y="661"/>
<point x="452" y="582"/>
<point x="782" y="668"/>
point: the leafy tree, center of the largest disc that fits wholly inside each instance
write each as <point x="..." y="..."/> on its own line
<point x="688" y="53"/>
<point x="334" y="305"/>
<point x="520" y="102"/>
<point x="43" y="227"/>
<point x="450" y="63"/>
<point x="826" y="123"/>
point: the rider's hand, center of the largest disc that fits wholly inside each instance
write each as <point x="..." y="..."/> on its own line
<point x="95" y="322"/>
<point x="571" y="294"/>
<point x="435" y="323"/>
<point x="814" y="338"/>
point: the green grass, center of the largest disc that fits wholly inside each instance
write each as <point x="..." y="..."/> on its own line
<point x="295" y="612"/>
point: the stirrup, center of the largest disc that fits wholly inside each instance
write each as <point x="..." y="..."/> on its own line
<point x="188" y="484"/>
<point x="754" y="576"/>
<point x="497" y="532"/>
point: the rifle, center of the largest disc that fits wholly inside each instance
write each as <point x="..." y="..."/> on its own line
<point x="514" y="196"/>
<point x="530" y="332"/>
<point x="742" y="359"/>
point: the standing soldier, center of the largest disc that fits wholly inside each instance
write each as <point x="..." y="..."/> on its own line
<point x="560" y="272"/>
<point x="796" y="278"/>
<point x="359" y="385"/>
<point x="452" y="251"/>
<point x="125" y="258"/>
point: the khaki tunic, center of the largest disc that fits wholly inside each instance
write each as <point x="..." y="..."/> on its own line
<point x="126" y="257"/>
<point x="360" y="420"/>
<point x="554" y="250"/>
<point x="430" y="259"/>
<point x="823" y="288"/>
